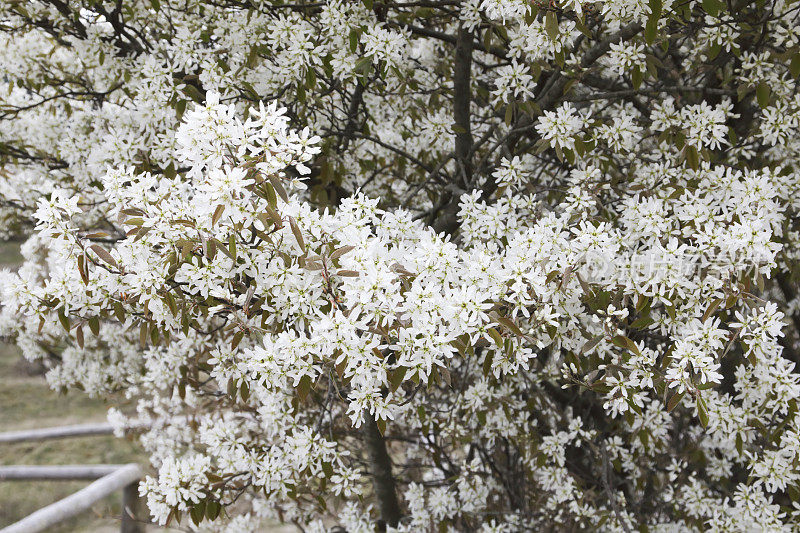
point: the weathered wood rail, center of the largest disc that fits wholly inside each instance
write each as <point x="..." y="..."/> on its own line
<point x="108" y="479"/>
<point x="79" y="430"/>
<point x="114" y="478"/>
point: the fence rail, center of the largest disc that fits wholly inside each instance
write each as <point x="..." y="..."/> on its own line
<point x="108" y="479"/>
<point x="78" y="430"/>
<point x="124" y="477"/>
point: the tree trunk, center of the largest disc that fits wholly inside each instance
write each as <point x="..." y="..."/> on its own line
<point x="380" y="466"/>
<point x="447" y="220"/>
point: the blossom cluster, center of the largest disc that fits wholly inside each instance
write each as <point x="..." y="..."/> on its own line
<point x="496" y="266"/>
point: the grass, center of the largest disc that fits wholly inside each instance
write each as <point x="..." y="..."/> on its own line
<point x="27" y="402"/>
<point x="9" y="254"/>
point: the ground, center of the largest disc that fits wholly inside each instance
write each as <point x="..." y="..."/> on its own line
<point x="27" y="402"/>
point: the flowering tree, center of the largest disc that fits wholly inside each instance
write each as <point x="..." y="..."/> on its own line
<point x="472" y="265"/>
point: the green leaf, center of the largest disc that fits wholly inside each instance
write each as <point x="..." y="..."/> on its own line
<point x="742" y="91"/>
<point x="530" y="14"/>
<point x="169" y="171"/>
<point x="103" y="254"/>
<point x="692" y="157"/>
<point x="79" y="336"/>
<point x="551" y="25"/>
<point x="487" y="38"/>
<point x="732" y="137"/>
<point x="673" y="402"/>
<point x="211" y="249"/>
<point x="237" y="338"/>
<point x="232" y="389"/>
<point x="198" y="512"/>
<point x="353" y="41"/>
<point x="510" y="325"/>
<point x="362" y="65"/>
<point x="493" y="333"/>
<point x="311" y="78"/>
<point x="180" y="108"/>
<point x="277" y="184"/>
<point x="702" y="411"/>
<point x="711" y="308"/>
<point x="794" y="66"/>
<point x="560" y="58"/>
<point x="252" y="58"/>
<point x="143" y="331"/>
<point x="713" y="7"/>
<point x="642" y="322"/>
<point x="141" y="232"/>
<point x="590" y="344"/>
<point x="762" y="94"/>
<point x="250" y="90"/>
<point x="217" y="214"/>
<point x="626" y="343"/>
<point x="193" y="92"/>
<point x="583" y="29"/>
<point x="637" y="76"/>
<point x="339" y="252"/>
<point x="651" y="30"/>
<point x="397" y="376"/>
<point x="271" y="197"/>
<point x="213" y="509"/>
<point x="173" y="307"/>
<point x="297" y="233"/>
<point x="273" y="215"/>
<point x="713" y="52"/>
<point x="487" y="362"/>
<point x="83" y="269"/>
<point x="303" y="387"/>
<point x="587" y="290"/>
<point x="232" y="246"/>
<point x="64" y="319"/>
<point x="119" y="311"/>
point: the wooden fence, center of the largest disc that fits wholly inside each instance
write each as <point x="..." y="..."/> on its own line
<point x="108" y="479"/>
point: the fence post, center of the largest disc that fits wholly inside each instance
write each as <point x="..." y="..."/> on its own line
<point x="131" y="509"/>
